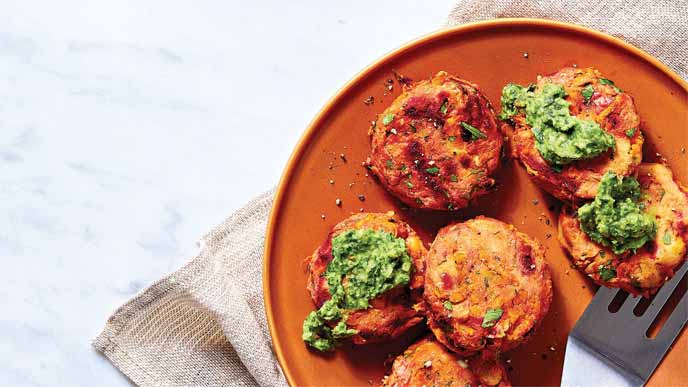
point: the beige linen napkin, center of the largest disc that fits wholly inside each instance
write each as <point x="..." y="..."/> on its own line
<point x="204" y="325"/>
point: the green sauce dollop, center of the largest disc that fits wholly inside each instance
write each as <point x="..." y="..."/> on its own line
<point x="365" y="263"/>
<point x="559" y="137"/>
<point x="615" y="218"/>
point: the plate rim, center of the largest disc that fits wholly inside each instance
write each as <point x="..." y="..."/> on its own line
<point x="309" y="132"/>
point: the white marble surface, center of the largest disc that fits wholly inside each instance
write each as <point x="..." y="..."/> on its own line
<point x="129" y="128"/>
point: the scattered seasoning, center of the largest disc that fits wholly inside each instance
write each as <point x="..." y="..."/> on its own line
<point x="390" y="84"/>
<point x="393" y="131"/>
<point x="403" y="80"/>
<point x="342" y="156"/>
<point x="361" y="198"/>
<point x="548" y="235"/>
<point x="475" y="132"/>
<point x="331" y="181"/>
<point x="351" y="185"/>
<point x="388" y="118"/>
<point x="453" y="178"/>
<point x="369" y="101"/>
<point x="525" y="55"/>
<point x="360" y="209"/>
<point x="451" y="138"/>
<point x="331" y="166"/>
<point x="462" y="363"/>
<point x="551" y="348"/>
<point x="630" y="132"/>
<point x="373" y="123"/>
<point x="322" y="216"/>
<point x="433" y="170"/>
<point x="683" y="149"/>
<point x="338" y="202"/>
<point x="427" y="364"/>
<point x="535" y="202"/>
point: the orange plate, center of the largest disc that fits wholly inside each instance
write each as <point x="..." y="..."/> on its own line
<point x="491" y="55"/>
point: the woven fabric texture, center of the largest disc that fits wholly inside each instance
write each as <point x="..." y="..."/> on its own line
<point x="204" y="325"/>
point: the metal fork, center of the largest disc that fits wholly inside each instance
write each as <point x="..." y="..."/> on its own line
<point x="612" y="349"/>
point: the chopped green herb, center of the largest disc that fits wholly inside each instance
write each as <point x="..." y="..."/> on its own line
<point x="453" y="178"/>
<point x="475" y="132"/>
<point x="476" y="171"/>
<point x="433" y="170"/>
<point x="445" y="106"/>
<point x="409" y="184"/>
<point x="413" y="128"/>
<point x="630" y="132"/>
<point x="587" y="92"/>
<point x="666" y="238"/>
<point x="450" y="206"/>
<point x="607" y="272"/>
<point x="556" y="168"/>
<point x="448" y="305"/>
<point x="602" y="253"/>
<point x="491" y="317"/>
<point x="604" y="81"/>
<point x="451" y="138"/>
<point x="388" y="118"/>
<point x="402" y="167"/>
<point x="390" y="164"/>
<point x="419" y="201"/>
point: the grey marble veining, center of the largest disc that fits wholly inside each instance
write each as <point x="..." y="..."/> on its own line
<point x="129" y="128"/>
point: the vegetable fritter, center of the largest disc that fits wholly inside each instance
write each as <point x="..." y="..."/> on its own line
<point x="429" y="363"/>
<point x="437" y="145"/>
<point x="487" y="286"/>
<point x="639" y="269"/>
<point x="570" y="129"/>
<point x="365" y="280"/>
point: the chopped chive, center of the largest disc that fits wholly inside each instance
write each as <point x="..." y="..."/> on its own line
<point x="448" y="305"/>
<point x="475" y="132"/>
<point x="451" y="138"/>
<point x="433" y="170"/>
<point x="409" y="184"/>
<point x="453" y="178"/>
<point x="587" y="92"/>
<point x="388" y="118"/>
<point x="491" y="317"/>
<point x="666" y="238"/>
<point x="604" y="81"/>
<point x="445" y="106"/>
<point x="390" y="164"/>
<point x="630" y="132"/>
<point x="413" y="128"/>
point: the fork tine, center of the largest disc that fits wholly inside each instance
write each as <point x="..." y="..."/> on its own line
<point x="663" y="295"/>
<point x="672" y="327"/>
<point x="603" y="298"/>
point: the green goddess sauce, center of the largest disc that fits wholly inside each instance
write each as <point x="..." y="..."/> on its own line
<point x="365" y="264"/>
<point x="615" y="218"/>
<point x="559" y="137"/>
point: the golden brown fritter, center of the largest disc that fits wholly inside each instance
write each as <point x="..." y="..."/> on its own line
<point x="644" y="271"/>
<point x="395" y="311"/>
<point x="437" y="145"/>
<point x="429" y="363"/>
<point x="608" y="106"/>
<point x="487" y="286"/>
